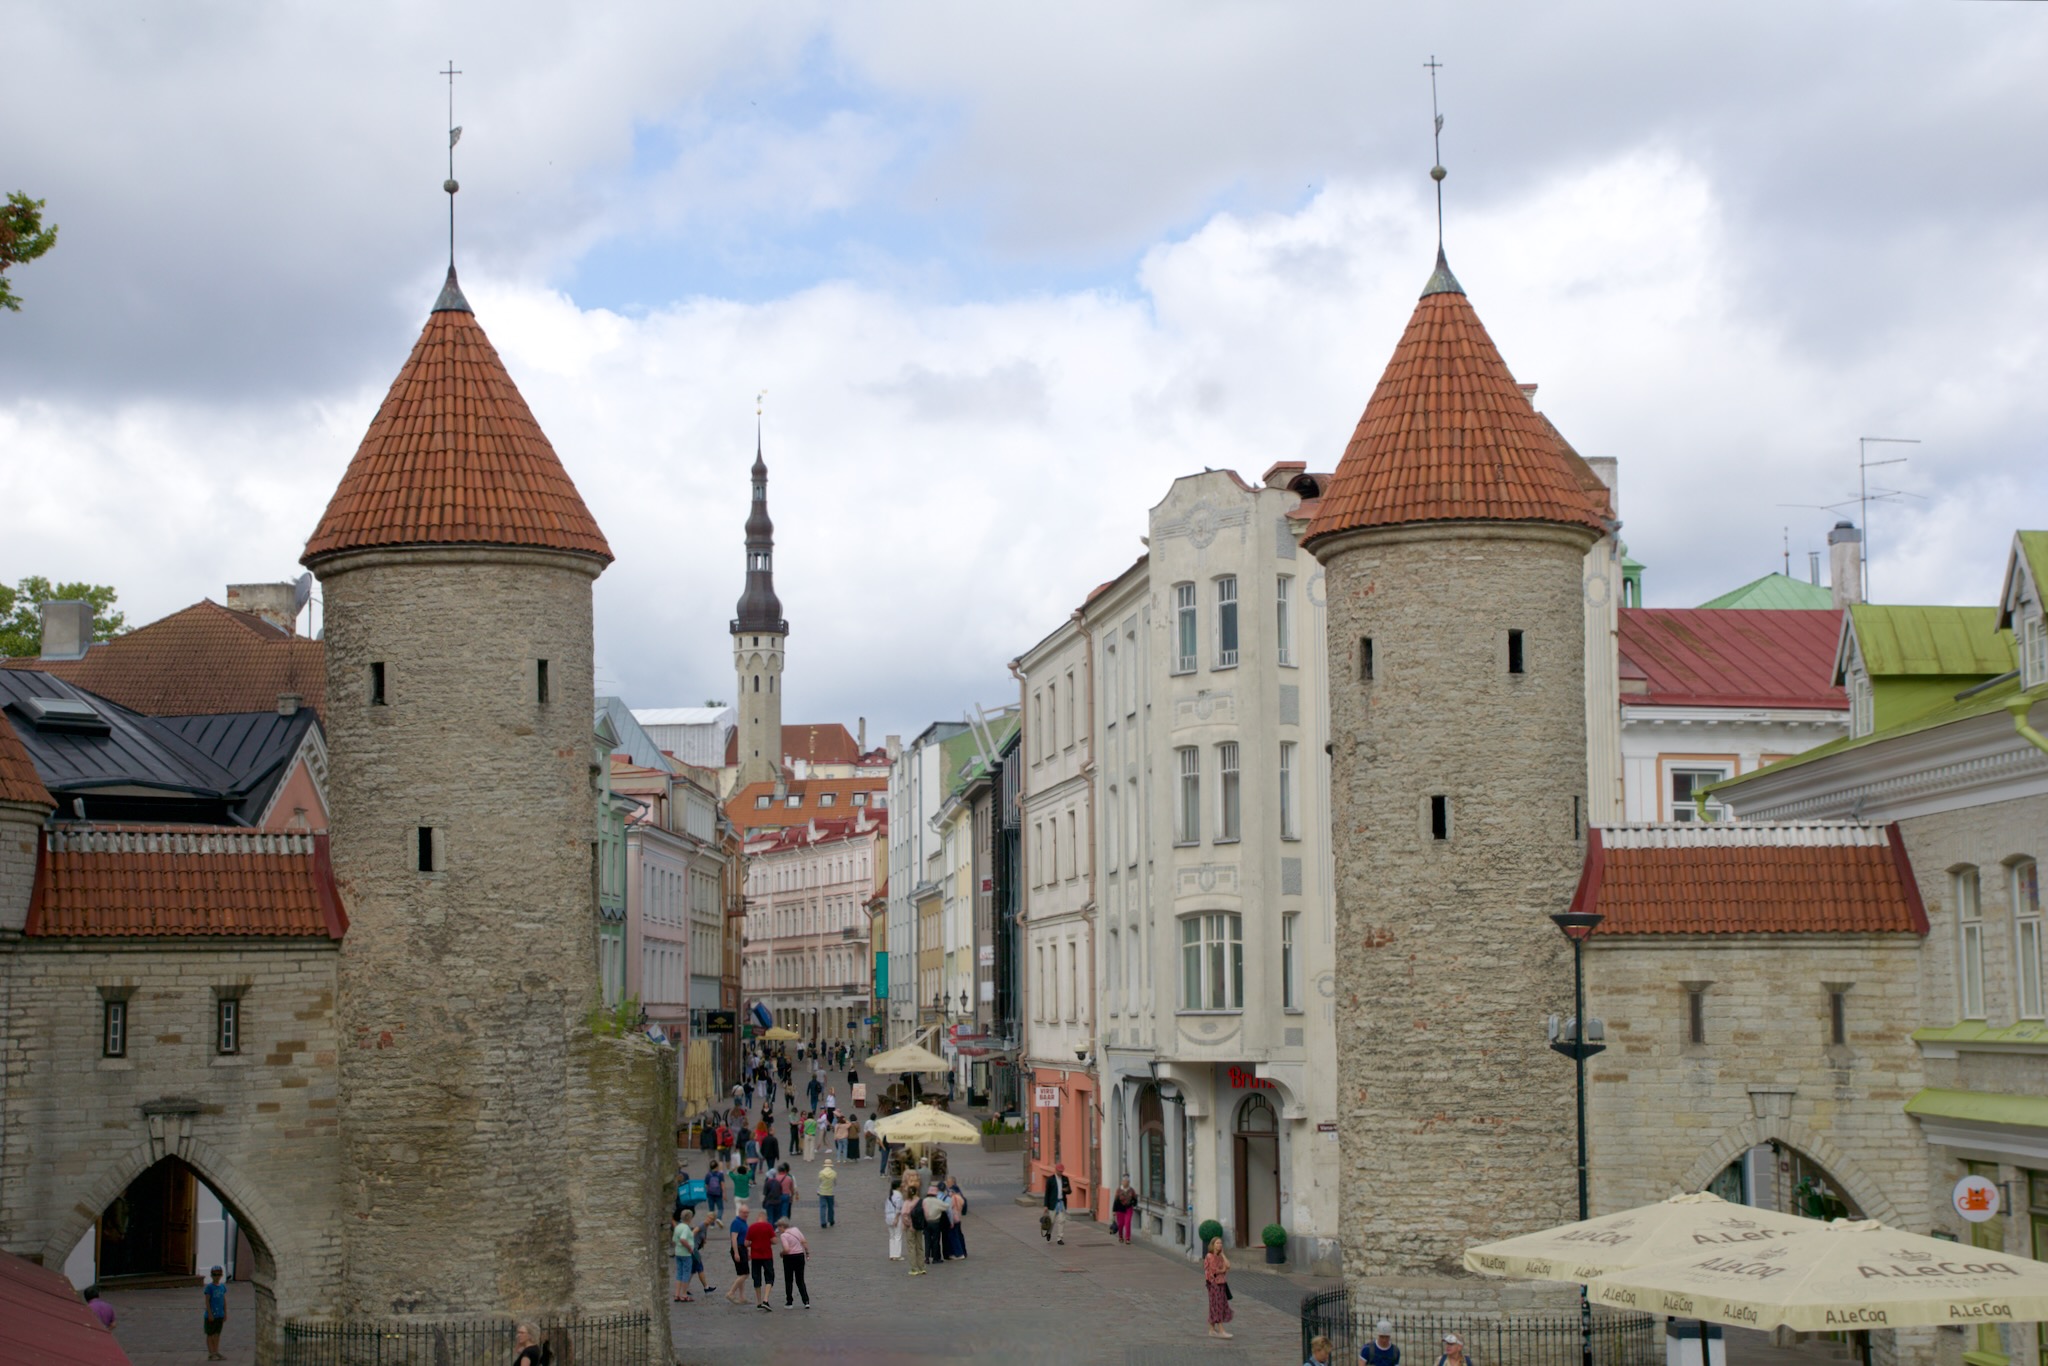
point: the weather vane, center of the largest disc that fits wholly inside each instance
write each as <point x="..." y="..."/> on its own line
<point x="454" y="136"/>
<point x="1437" y="171"/>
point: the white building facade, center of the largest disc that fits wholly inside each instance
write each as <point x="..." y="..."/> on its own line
<point x="806" y="955"/>
<point x="917" y="789"/>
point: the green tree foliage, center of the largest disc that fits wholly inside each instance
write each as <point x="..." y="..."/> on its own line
<point x="22" y="238"/>
<point x="21" y="617"/>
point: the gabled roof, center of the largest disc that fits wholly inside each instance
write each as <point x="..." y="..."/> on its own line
<point x="1774" y="592"/>
<point x="829" y="743"/>
<point x="204" y="659"/>
<point x="810" y="793"/>
<point x="454" y="457"/>
<point x="1449" y="436"/>
<point x="1705" y="658"/>
<point x="2026" y="566"/>
<point x="19" y="781"/>
<point x="1949" y="642"/>
<point x="1762" y="878"/>
<point x="137" y="881"/>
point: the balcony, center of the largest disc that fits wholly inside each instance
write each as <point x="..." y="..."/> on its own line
<point x="853" y="932"/>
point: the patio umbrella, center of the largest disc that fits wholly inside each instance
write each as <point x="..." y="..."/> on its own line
<point x="697" y="1086"/>
<point x="910" y="1057"/>
<point x="1839" y="1276"/>
<point x="1649" y="1233"/>
<point x="926" y="1124"/>
<point x="780" y="1034"/>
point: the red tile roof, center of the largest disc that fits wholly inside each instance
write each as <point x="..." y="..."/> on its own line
<point x="454" y="457"/>
<point x="810" y="793"/>
<point x="1699" y="657"/>
<point x="47" y="1324"/>
<point x="1763" y="878"/>
<point x="1449" y="436"/>
<point x="827" y="831"/>
<point x="206" y="660"/>
<point x="830" y="743"/>
<point x="19" y="781"/>
<point x="142" y="881"/>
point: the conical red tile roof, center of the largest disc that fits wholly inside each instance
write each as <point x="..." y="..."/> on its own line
<point x="1448" y="436"/>
<point x="454" y="457"/>
<point x="19" y="781"/>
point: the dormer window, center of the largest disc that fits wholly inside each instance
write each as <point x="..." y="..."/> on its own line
<point x="2033" y="646"/>
<point x="1862" y="703"/>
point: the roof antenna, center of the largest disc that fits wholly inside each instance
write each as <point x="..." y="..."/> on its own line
<point x="1788" y="550"/>
<point x="454" y="136"/>
<point x="1436" y="137"/>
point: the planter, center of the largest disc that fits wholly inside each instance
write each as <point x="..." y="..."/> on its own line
<point x="1276" y="1256"/>
<point x="1002" y="1143"/>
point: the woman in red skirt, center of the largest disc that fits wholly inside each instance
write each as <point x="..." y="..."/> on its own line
<point x="1216" y="1275"/>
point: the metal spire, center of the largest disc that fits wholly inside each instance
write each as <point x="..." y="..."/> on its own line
<point x="455" y="136"/>
<point x="1436" y="138"/>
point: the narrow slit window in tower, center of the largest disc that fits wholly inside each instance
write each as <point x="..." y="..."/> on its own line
<point x="377" y="684"/>
<point x="1696" y="1016"/>
<point x="1515" y="653"/>
<point x="1838" y="1018"/>
<point x="1440" y="817"/>
<point x="1576" y="834"/>
<point x="540" y="680"/>
<point x="1365" y="659"/>
<point x="426" y="849"/>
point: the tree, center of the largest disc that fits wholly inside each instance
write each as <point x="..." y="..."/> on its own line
<point x="21" y="617"/>
<point x="22" y="239"/>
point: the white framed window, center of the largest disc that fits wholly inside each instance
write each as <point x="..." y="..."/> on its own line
<point x="114" y="1029"/>
<point x="1187" y="826"/>
<point x="1052" y="707"/>
<point x="1110" y="696"/>
<point x="1226" y="622"/>
<point x="1073" y="982"/>
<point x="1862" y="703"/>
<point x="1283" y="620"/>
<point x="1969" y="943"/>
<point x="1682" y="783"/>
<point x="1290" y="961"/>
<point x="1073" y="845"/>
<point x="1130" y="668"/>
<point x="1073" y="732"/>
<point x="1186" y="638"/>
<point x="2033" y="647"/>
<point x="1116" y="970"/>
<point x="1113" y="826"/>
<point x="1212" y="961"/>
<point x="2025" y="876"/>
<point x="1227" y="804"/>
<point x="1037" y="714"/>
<point x="1038" y="998"/>
<point x="1290" y="804"/>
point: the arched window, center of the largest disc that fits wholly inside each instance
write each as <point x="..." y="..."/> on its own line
<point x="1256" y="1116"/>
<point x="757" y="682"/>
<point x="1151" y="1145"/>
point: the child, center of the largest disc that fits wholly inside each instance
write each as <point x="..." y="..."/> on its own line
<point x="216" y="1293"/>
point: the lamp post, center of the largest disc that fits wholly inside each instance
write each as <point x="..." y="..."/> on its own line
<point x="1576" y="1044"/>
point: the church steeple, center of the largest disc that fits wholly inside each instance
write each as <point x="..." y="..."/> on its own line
<point x="758" y="632"/>
<point x="759" y="608"/>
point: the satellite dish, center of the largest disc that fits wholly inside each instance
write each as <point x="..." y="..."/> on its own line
<point x="302" y="592"/>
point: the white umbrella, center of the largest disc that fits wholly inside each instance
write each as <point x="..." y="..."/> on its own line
<point x="1632" y="1237"/>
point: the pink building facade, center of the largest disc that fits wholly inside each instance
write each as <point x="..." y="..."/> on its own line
<point x="807" y="955"/>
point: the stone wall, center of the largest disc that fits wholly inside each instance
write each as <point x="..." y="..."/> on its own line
<point x="497" y="1158"/>
<point x="1665" y="1115"/>
<point x="20" y="830"/>
<point x="260" y="1126"/>
<point x="1456" y="1119"/>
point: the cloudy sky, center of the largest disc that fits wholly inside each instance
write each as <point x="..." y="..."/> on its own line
<point x="1004" y="270"/>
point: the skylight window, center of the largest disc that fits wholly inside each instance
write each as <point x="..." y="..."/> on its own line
<point x="66" y="715"/>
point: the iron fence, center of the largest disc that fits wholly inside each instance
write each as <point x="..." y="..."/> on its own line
<point x="1509" y="1339"/>
<point x="613" y="1340"/>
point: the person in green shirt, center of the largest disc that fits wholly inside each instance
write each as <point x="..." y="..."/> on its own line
<point x="828" y="1181"/>
<point x="810" y="1138"/>
<point x="683" y="1247"/>
<point x="742" y="1182"/>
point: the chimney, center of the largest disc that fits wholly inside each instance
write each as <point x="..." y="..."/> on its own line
<point x="1813" y="567"/>
<point x="894" y="744"/>
<point x="861" y="743"/>
<point x="288" y="703"/>
<point x="1609" y="470"/>
<point x="67" y="628"/>
<point x="274" y="602"/>
<point x="1845" y="564"/>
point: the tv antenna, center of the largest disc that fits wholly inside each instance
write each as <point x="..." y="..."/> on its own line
<point x="1864" y="465"/>
<point x="1436" y="138"/>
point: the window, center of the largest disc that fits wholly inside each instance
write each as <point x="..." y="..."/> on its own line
<point x="1970" y="943"/>
<point x="860" y="799"/>
<point x="428" y="862"/>
<point x="1073" y="845"/>
<point x="1073" y="982"/>
<point x="1072" y="733"/>
<point x="114" y="1030"/>
<point x="1440" y="817"/>
<point x="1038" y="1003"/>
<point x="2033" y="647"/>
<point x="1696" y="1014"/>
<point x="1838" y="1016"/>
<point x="2026" y="931"/>
<point x="1110" y="695"/>
<point x="1290" y="961"/>
<point x="793" y="800"/>
<point x="1184" y="635"/>
<point x="1113" y="826"/>
<point x="1212" y="961"/>
<point x="1365" y="659"/>
<point x="1226" y="791"/>
<point x="829" y="799"/>
<point x="540" y="680"/>
<point x="1188" y="818"/>
<point x="1862" y="703"/>
<point x="1283" y="619"/>
<point x="376" y="695"/>
<point x="1290" y="820"/>
<point x="228" y="1025"/>
<point x="1131" y="672"/>
<point x="1037" y="715"/>
<point x="1151" y="1145"/>
<point x="1687" y="803"/>
<point x="1226" y="622"/>
<point x="761" y="802"/>
<point x="1515" y="652"/>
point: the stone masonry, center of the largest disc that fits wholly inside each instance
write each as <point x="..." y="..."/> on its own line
<point x="1457" y="1120"/>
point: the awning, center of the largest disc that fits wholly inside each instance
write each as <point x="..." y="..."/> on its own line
<point x="1988" y="1121"/>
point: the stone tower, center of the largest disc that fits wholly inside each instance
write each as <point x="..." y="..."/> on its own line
<point x="758" y="632"/>
<point x="498" y="1157"/>
<point x="1453" y="537"/>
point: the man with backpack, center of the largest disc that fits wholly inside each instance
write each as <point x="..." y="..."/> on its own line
<point x="714" y="1191"/>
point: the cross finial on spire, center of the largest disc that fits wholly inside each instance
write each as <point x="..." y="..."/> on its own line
<point x="1436" y="136"/>
<point x="454" y="136"/>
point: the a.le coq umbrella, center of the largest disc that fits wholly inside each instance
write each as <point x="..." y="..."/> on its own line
<point x="1632" y="1237"/>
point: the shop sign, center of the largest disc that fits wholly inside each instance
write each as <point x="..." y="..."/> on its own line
<point x="1244" y="1080"/>
<point x="720" y="1021"/>
<point x="1048" y="1097"/>
<point x="1976" y="1199"/>
<point x="988" y="955"/>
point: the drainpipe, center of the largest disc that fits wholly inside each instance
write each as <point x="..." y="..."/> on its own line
<point x="2019" y="707"/>
<point x="1088" y="769"/>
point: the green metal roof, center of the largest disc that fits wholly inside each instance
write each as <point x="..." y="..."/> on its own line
<point x="1775" y="593"/>
<point x="1985" y="1107"/>
<point x="2030" y="547"/>
<point x="1956" y="642"/>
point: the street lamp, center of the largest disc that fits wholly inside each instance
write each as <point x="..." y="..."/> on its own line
<point x="1577" y="1043"/>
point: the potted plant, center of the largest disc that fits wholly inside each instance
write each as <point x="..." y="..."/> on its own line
<point x="1275" y="1239"/>
<point x="1209" y="1230"/>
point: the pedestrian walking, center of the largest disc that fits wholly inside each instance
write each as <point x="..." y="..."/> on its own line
<point x="215" y="1293"/>
<point x="810" y="1138"/>
<point x="828" y="1183"/>
<point x="736" y="1237"/>
<point x="796" y="1133"/>
<point x="1059" y="1188"/>
<point x="682" y="1247"/>
<point x="529" y="1349"/>
<point x="761" y="1260"/>
<point x="770" y="1146"/>
<point x="1216" y="1277"/>
<point x="1454" y="1351"/>
<point x="714" y="1192"/>
<point x="867" y="1136"/>
<point x="1123" y="1208"/>
<point x="1318" y="1351"/>
<point x="795" y="1252"/>
<point x="1381" y="1351"/>
<point x="913" y="1224"/>
<point x="956" y="1236"/>
<point x="936" y="1214"/>
<point x="814" y="1090"/>
<point x="892" y="1219"/>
